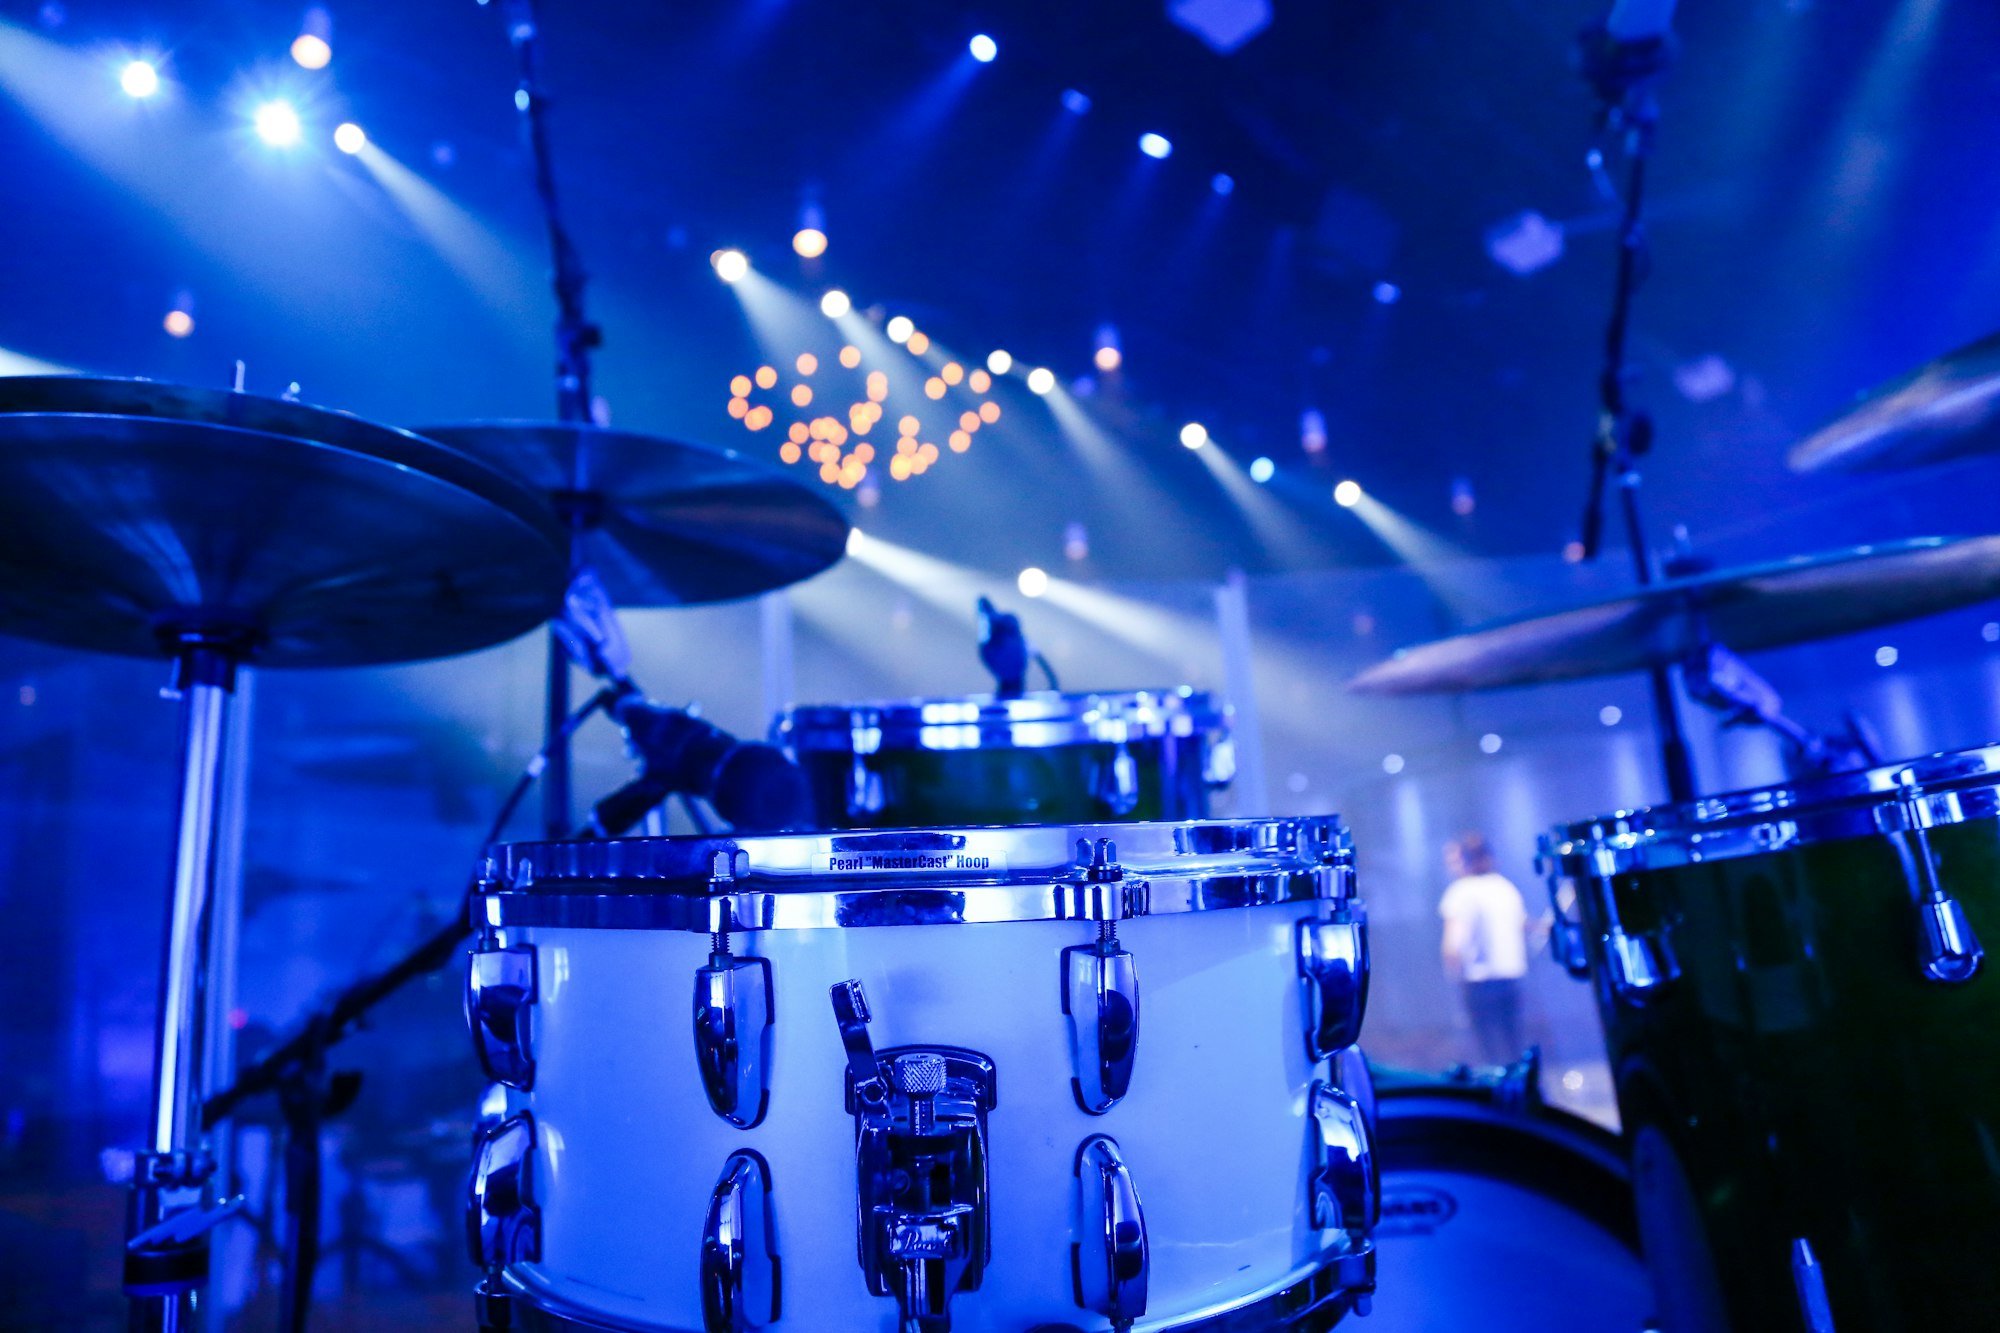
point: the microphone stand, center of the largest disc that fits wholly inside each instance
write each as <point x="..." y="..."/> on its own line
<point x="1622" y="72"/>
<point x="576" y="338"/>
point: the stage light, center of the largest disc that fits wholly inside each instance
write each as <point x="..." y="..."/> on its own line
<point x="739" y="408"/>
<point x="1347" y="494"/>
<point x="908" y="426"/>
<point x="799" y="432"/>
<point x="1572" y="552"/>
<point x="1222" y="183"/>
<point x="521" y="99"/>
<point x="850" y="356"/>
<point x="1525" y="243"/>
<point x="1041" y="379"/>
<point x="1074" y="102"/>
<point x="178" y="323"/>
<point x="951" y="372"/>
<point x="1106" y="340"/>
<point x="1490" y="743"/>
<point x="1156" y="146"/>
<point x="1392" y="764"/>
<point x="730" y="265"/>
<point x="835" y="304"/>
<point x="959" y="441"/>
<point x="807" y="363"/>
<point x="919" y="343"/>
<point x="878" y="386"/>
<point x="277" y="124"/>
<point x="739" y="386"/>
<point x="788" y="452"/>
<point x="139" y="79"/>
<point x="801" y="395"/>
<point x="1262" y="470"/>
<point x="979" y="381"/>
<point x="1610" y="715"/>
<point x="350" y="138"/>
<point x="983" y="48"/>
<point x="855" y="541"/>
<point x="1032" y="582"/>
<point x="1108" y="359"/>
<point x="1387" y="293"/>
<point x="759" y="417"/>
<point x="809" y="242"/>
<point x="1312" y="431"/>
<point x="900" y="328"/>
<point x="999" y="362"/>
<point x="1463" y="501"/>
<point x="767" y="377"/>
<point x="1194" y="435"/>
<point x="1885" y="656"/>
<point x="934" y="388"/>
<point x="989" y="412"/>
<point x="311" y="51"/>
<point x="1990" y="631"/>
<point x="1076" y="542"/>
<point x="968" y="422"/>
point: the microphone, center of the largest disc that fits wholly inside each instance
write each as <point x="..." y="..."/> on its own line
<point x="1004" y="650"/>
<point x="756" y="787"/>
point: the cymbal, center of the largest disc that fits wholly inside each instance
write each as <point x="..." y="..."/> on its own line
<point x="665" y="523"/>
<point x="1750" y="608"/>
<point x="133" y="514"/>
<point x="1947" y="409"/>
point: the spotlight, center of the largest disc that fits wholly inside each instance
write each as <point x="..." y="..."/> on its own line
<point x="1610" y="715"/>
<point x="730" y="266"/>
<point x="139" y="79"/>
<point x="1312" y="431"/>
<point x="1347" y="494"/>
<point x="522" y="100"/>
<point x="835" y="304"/>
<point x="1490" y="743"/>
<point x="1156" y="146"/>
<point x="1392" y="764"/>
<point x="277" y="124"/>
<point x="350" y="138"/>
<point x="809" y="242"/>
<point x="999" y="362"/>
<point x="1387" y="293"/>
<point x="900" y="328"/>
<point x="1041" y="379"/>
<point x="983" y="49"/>
<point x="1076" y="542"/>
<point x="1222" y="183"/>
<point x="178" y="323"/>
<point x="313" y="47"/>
<point x="855" y="540"/>
<point x="1194" y="435"/>
<point x="1032" y="582"/>
<point x="1074" y="102"/>
<point x="1262" y="470"/>
<point x="919" y="342"/>
<point x="1108" y="359"/>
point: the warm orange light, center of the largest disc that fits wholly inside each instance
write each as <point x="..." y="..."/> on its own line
<point x="810" y="242"/>
<point x="865" y="452"/>
<point x="906" y="445"/>
<point x="311" y="51"/>
<point x="738" y="406"/>
<point x="951" y="372"/>
<point x="979" y="381"/>
<point x="989" y="412"/>
<point x="767" y="377"/>
<point x="801" y="395"/>
<point x="908" y="426"/>
<point x="968" y="422"/>
<point x="760" y="417"/>
<point x="899" y="467"/>
<point x="878" y="386"/>
<point x="829" y="472"/>
<point x="1108" y="359"/>
<point x="789" y="452"/>
<point x="739" y="387"/>
<point x="836" y="435"/>
<point x="918" y="344"/>
<point x="933" y="387"/>
<point x="179" y="323"/>
<point x="927" y="453"/>
<point x="807" y="363"/>
<point x="959" y="441"/>
<point x="850" y="357"/>
<point x="800" y="432"/>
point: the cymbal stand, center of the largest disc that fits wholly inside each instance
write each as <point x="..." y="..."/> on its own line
<point x="576" y="338"/>
<point x="1623" y="72"/>
<point x="171" y="1212"/>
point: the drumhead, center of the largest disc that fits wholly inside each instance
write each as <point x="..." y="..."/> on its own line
<point x="1501" y="1220"/>
<point x="982" y="722"/>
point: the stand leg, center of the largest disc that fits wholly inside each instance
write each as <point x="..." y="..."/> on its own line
<point x="555" y="778"/>
<point x="163" y="1265"/>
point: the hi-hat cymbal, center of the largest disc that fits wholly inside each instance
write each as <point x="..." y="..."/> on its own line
<point x="1751" y="608"/>
<point x="1947" y="409"/>
<point x="665" y="523"/>
<point x="134" y="515"/>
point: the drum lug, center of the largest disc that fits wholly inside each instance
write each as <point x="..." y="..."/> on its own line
<point x="1108" y="1260"/>
<point x="864" y="789"/>
<point x="1118" y="782"/>
<point x="1948" y="950"/>
<point x="1951" y="952"/>
<point x="1218" y="763"/>
<point x="502" y="1223"/>
<point x="733" y="1009"/>
<point x="1332" y="955"/>
<point x="1640" y="965"/>
<point x="739" y="1255"/>
<point x="921" y="1167"/>
<point x="500" y="985"/>
<point x="1100" y="996"/>
<point x="1566" y="937"/>
<point x="1345" y="1191"/>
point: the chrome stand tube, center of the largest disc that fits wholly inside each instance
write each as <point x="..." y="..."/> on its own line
<point x="166" y="1257"/>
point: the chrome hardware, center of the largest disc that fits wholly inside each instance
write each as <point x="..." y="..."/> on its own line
<point x="864" y="789"/>
<point x="921" y="1171"/>
<point x="1100" y="996"/>
<point x="499" y="988"/>
<point x="1108" y="1260"/>
<point x="1333" y="978"/>
<point x="733" y="1011"/>
<point x="1566" y="937"/>
<point x="1353" y="1076"/>
<point x="1640" y="965"/>
<point x="1345" y="1189"/>
<point x="181" y="1228"/>
<point x="739" y="1254"/>
<point x="1097" y="862"/>
<point x="1218" y="764"/>
<point x="502" y="1223"/>
<point x="1118" y="784"/>
<point x="1948" y="950"/>
<point x="1809" y="1280"/>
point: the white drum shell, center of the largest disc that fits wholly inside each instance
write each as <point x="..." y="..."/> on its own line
<point x="1213" y="1128"/>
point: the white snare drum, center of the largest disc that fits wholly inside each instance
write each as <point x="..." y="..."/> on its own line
<point x="918" y="1094"/>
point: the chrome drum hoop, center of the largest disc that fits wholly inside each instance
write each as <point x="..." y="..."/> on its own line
<point x="981" y="722"/>
<point x="1954" y="787"/>
<point x="905" y="877"/>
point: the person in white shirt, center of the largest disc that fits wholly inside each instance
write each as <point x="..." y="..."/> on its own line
<point x="1486" y="945"/>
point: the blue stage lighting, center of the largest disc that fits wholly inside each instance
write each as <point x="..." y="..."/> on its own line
<point x="1262" y="470"/>
<point x="139" y="79"/>
<point x="277" y="124"/>
<point x="1387" y="293"/>
<point x="1155" y="146"/>
<point x="984" y="48"/>
<point x="1074" y="102"/>
<point x="1222" y="183"/>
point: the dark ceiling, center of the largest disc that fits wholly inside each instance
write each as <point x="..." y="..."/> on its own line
<point x="1822" y="216"/>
